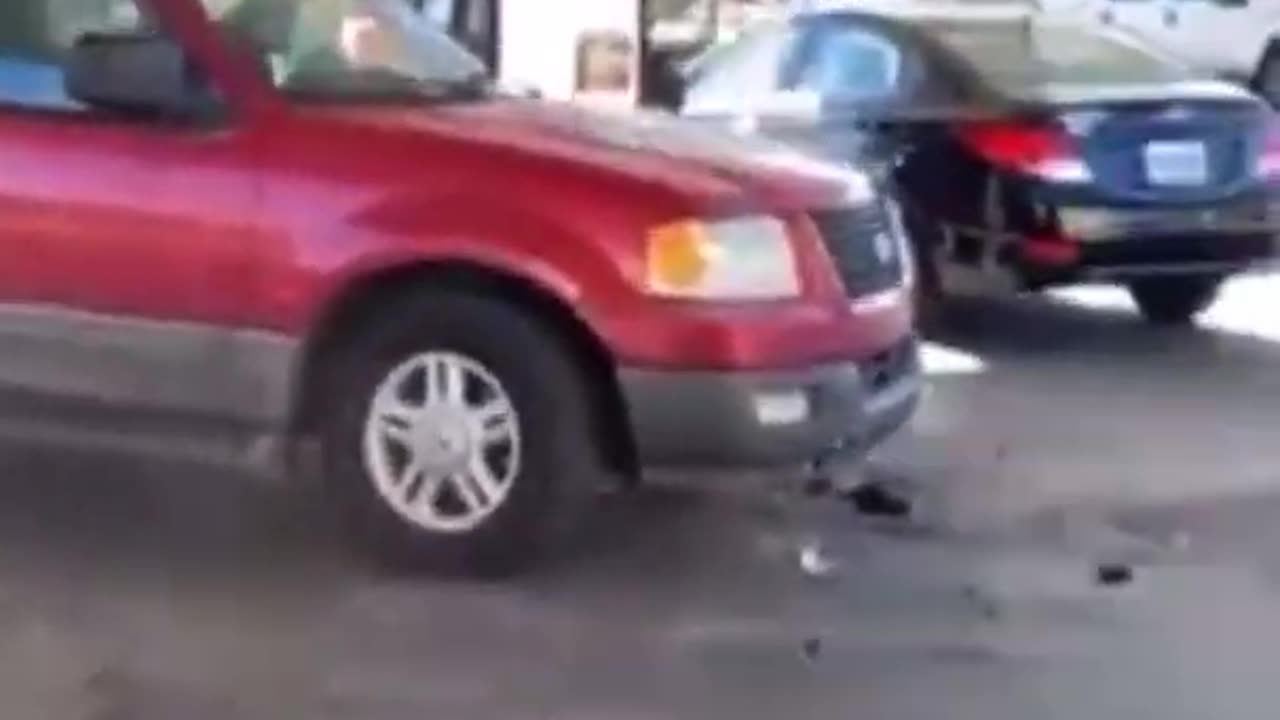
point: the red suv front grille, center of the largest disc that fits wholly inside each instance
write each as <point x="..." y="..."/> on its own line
<point x="867" y="256"/>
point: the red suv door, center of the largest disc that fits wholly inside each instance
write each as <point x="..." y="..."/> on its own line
<point x="124" y="241"/>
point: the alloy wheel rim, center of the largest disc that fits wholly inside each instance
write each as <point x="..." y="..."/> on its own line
<point x="442" y="442"/>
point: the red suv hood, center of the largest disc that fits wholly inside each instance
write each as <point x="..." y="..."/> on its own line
<point x="704" y="165"/>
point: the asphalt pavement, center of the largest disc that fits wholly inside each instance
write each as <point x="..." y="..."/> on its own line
<point x="1061" y="437"/>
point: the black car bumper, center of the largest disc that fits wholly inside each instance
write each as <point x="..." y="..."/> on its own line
<point x="1221" y="254"/>
<point x="1120" y="243"/>
<point x="770" y="419"/>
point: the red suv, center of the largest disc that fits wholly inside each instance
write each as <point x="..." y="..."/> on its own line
<point x="241" y="229"/>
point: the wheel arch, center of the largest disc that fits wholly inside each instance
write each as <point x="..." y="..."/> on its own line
<point x="344" y="315"/>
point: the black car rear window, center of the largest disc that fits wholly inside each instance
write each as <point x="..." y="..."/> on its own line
<point x="1023" y="54"/>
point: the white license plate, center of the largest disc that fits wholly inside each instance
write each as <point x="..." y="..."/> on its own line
<point x="1180" y="163"/>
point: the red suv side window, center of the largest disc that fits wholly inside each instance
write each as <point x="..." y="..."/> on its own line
<point x="35" y="36"/>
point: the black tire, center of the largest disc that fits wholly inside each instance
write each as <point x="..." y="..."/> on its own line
<point x="1175" y="300"/>
<point x="560" y="461"/>
<point x="1267" y="82"/>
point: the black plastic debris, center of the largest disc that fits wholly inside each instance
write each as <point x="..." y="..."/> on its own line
<point x="1114" y="574"/>
<point x="818" y="485"/>
<point x="876" y="500"/>
<point x="983" y="603"/>
<point x="811" y="649"/>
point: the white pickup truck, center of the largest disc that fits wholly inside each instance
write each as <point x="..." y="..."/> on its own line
<point x="1236" y="39"/>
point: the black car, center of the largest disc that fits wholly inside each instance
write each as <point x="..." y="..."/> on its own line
<point x="1022" y="152"/>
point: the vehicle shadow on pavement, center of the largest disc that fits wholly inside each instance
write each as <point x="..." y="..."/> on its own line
<point x="678" y="527"/>
<point x="107" y="517"/>
<point x="1031" y="328"/>
<point x="91" y="519"/>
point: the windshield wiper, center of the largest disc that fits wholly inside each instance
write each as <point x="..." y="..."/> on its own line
<point x="474" y="86"/>
<point x="377" y="85"/>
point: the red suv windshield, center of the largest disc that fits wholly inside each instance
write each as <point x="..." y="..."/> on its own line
<point x="338" y="50"/>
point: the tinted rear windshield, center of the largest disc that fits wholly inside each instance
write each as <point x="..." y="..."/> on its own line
<point x="1023" y="54"/>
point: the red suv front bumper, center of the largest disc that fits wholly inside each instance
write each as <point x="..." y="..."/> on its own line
<point x="726" y="419"/>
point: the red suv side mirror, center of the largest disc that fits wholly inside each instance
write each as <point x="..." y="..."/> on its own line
<point x="136" y="73"/>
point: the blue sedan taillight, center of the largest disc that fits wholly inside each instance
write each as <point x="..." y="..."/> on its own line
<point x="1043" y="151"/>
